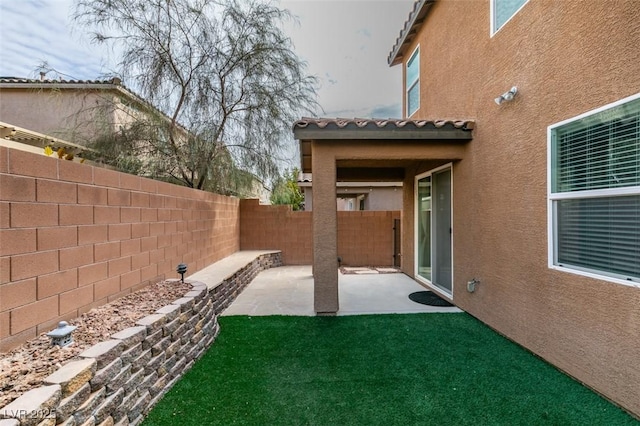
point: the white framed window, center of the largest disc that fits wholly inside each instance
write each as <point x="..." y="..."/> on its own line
<point x="594" y="193"/>
<point x="413" y="82"/>
<point x="502" y="11"/>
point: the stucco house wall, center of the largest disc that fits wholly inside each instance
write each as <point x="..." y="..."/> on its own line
<point x="377" y="198"/>
<point x="566" y="58"/>
<point x="73" y="111"/>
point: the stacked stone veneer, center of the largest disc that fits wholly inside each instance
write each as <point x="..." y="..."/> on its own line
<point x="118" y="381"/>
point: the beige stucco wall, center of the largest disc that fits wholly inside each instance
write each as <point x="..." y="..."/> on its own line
<point x="70" y="115"/>
<point x="566" y="57"/>
<point x="376" y="198"/>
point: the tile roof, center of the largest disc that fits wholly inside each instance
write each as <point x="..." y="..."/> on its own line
<point x="408" y="32"/>
<point x="373" y="123"/>
<point x="20" y="80"/>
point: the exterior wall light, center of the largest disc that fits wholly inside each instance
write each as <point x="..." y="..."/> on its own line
<point x="61" y="336"/>
<point x="182" y="269"/>
<point x="507" y="96"/>
<point x="471" y="285"/>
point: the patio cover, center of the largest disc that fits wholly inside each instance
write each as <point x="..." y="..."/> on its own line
<point x="368" y="149"/>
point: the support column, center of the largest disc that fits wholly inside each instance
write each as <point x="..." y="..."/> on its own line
<point x="325" y="232"/>
<point x="408" y="224"/>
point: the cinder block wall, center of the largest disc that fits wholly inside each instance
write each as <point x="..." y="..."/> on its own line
<point x="364" y="237"/>
<point x="73" y="237"/>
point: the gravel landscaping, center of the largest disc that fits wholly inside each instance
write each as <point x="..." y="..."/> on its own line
<point x="25" y="367"/>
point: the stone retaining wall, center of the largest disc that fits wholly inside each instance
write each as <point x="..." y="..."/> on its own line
<point x="118" y="381"/>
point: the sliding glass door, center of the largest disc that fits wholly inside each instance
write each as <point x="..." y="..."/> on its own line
<point x="433" y="229"/>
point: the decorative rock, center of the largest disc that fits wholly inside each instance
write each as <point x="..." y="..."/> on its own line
<point x="136" y="421"/>
<point x="33" y="406"/>
<point x="71" y="421"/>
<point x="161" y="346"/>
<point x="72" y="376"/>
<point x="158" y="386"/>
<point x="199" y="325"/>
<point x="131" y="354"/>
<point x="167" y="366"/>
<point x="138" y="407"/>
<point x="185" y="303"/>
<point x="197" y="295"/>
<point x="184" y="317"/>
<point x="123" y="421"/>
<point x="148" y="382"/>
<point x="154" y="363"/>
<point x="107" y="422"/>
<point x="130" y="336"/>
<point x="170" y="311"/>
<point x="197" y="337"/>
<point x="125" y="407"/>
<point x="105" y="375"/>
<point x="51" y="421"/>
<point x="193" y="321"/>
<point x="141" y="361"/>
<point x="64" y="411"/>
<point x="171" y="327"/>
<point x="9" y="422"/>
<point x="153" y="322"/>
<point x="180" y="332"/>
<point x="103" y="411"/>
<point x="104" y="352"/>
<point x="152" y="339"/>
<point x="186" y="336"/>
<point x="119" y="380"/>
<point x="191" y="355"/>
<point x="133" y="382"/>
<point x="177" y="369"/>
<point x="90" y="422"/>
<point x="84" y="413"/>
<point x="173" y="348"/>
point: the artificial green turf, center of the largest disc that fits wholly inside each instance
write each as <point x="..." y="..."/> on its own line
<point x="422" y="369"/>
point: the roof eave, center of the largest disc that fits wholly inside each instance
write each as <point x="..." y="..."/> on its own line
<point x="382" y="134"/>
<point x="407" y="34"/>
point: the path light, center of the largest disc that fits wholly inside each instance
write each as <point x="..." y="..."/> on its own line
<point x="61" y="336"/>
<point x="182" y="269"/>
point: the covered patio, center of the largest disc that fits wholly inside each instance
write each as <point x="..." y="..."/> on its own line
<point x="352" y="150"/>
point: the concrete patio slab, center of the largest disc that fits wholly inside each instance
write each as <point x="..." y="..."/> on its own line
<point x="288" y="290"/>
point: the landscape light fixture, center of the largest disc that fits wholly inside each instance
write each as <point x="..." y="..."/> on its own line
<point x="182" y="269"/>
<point x="61" y="336"/>
<point x="507" y="96"/>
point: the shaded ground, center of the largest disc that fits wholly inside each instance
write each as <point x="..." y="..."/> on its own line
<point x="427" y="369"/>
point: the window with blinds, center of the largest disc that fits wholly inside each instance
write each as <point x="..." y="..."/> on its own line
<point x="595" y="192"/>
<point x="502" y="11"/>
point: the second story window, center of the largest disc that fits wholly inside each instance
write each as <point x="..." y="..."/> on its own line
<point x="413" y="82"/>
<point x="502" y="11"/>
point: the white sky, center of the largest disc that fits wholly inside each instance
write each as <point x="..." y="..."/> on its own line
<point x="345" y="44"/>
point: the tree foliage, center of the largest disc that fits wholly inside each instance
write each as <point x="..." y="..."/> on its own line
<point x="287" y="191"/>
<point x="223" y="74"/>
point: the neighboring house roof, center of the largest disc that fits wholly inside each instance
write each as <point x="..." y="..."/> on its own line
<point x="114" y="84"/>
<point x="409" y="31"/>
<point x="31" y="83"/>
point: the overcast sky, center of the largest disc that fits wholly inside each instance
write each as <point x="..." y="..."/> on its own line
<point x="345" y="43"/>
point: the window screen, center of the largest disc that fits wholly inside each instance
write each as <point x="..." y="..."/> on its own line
<point x="503" y="10"/>
<point x="413" y="83"/>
